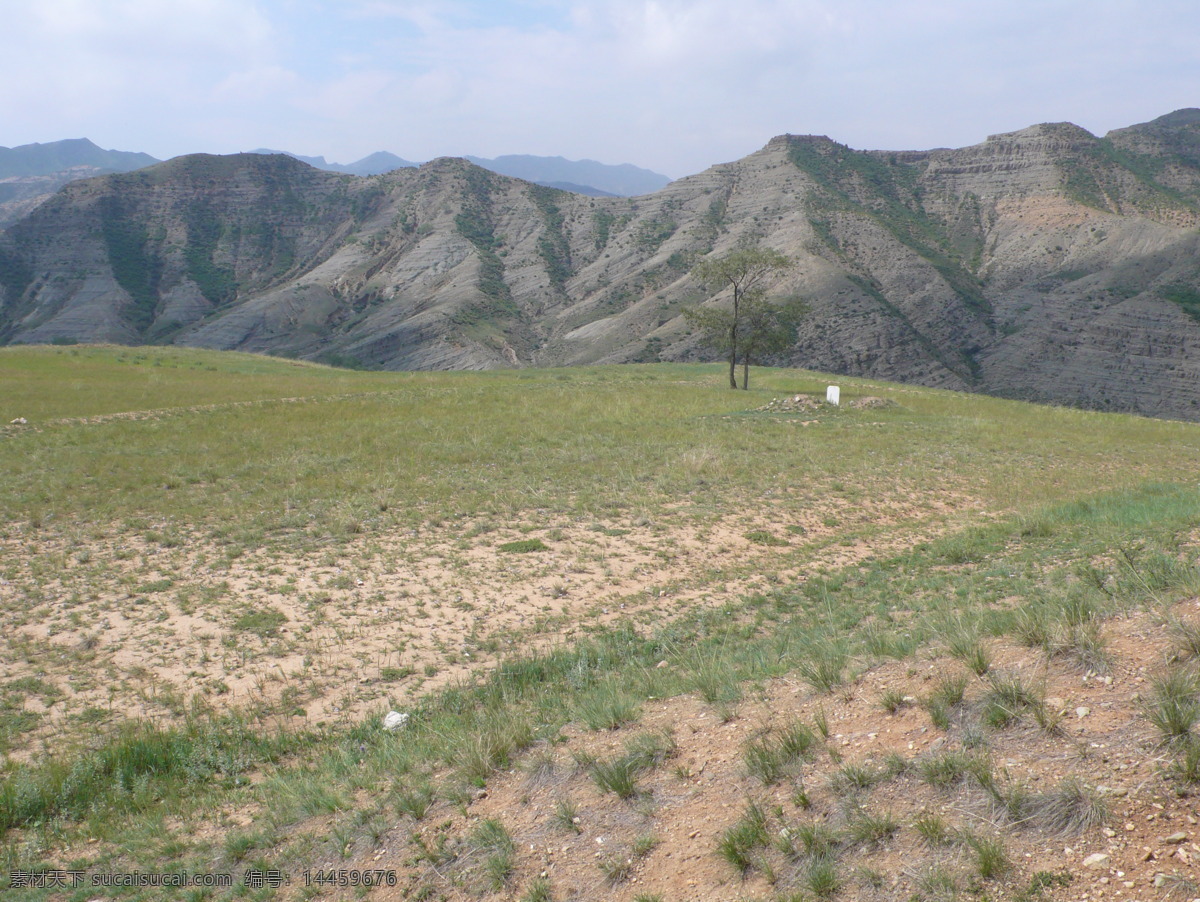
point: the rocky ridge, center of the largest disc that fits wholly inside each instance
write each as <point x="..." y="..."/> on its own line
<point x="1044" y="264"/>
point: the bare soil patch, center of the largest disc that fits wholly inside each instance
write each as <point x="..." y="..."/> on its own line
<point x="116" y="626"/>
<point x="663" y="842"/>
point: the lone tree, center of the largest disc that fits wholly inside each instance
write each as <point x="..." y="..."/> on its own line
<point x="752" y="327"/>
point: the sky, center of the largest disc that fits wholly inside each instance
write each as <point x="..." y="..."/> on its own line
<point x="670" y="85"/>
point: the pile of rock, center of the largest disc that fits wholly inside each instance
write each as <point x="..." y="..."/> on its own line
<point x="806" y="403"/>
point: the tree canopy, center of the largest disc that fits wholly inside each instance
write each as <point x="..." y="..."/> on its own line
<point x="751" y="327"/>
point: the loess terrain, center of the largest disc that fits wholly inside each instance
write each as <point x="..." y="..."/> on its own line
<point x="1046" y="264"/>
<point x="655" y="639"/>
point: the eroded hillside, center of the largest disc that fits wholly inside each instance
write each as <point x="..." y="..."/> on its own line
<point x="1044" y="264"/>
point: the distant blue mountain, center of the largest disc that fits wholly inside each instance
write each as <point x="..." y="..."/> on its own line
<point x="376" y="163"/>
<point x="578" y="189"/>
<point x="47" y="159"/>
<point x="625" y="180"/>
<point x="580" y="176"/>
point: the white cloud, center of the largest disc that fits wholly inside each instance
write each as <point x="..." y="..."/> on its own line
<point x="123" y="30"/>
<point x="257" y="85"/>
<point x="70" y="67"/>
<point x="671" y="84"/>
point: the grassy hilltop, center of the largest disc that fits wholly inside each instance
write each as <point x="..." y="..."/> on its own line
<point x="656" y="638"/>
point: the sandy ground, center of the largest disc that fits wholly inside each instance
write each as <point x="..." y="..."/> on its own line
<point x="115" y="626"/>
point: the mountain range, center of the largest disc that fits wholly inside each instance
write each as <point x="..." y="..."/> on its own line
<point x="31" y="173"/>
<point x="578" y="176"/>
<point x="1045" y="264"/>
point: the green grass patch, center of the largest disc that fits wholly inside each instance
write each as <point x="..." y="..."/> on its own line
<point x="523" y="546"/>
<point x="263" y="622"/>
<point x="135" y="770"/>
<point x="765" y="537"/>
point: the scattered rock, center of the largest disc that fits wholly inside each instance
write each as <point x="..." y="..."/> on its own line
<point x="19" y="421"/>
<point x="807" y="402"/>
<point x="1082" y="712"/>
<point x="1096" y="860"/>
<point x="394" y="721"/>
<point x="1174" y="839"/>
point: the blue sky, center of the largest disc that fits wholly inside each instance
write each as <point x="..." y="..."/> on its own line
<point x="672" y="85"/>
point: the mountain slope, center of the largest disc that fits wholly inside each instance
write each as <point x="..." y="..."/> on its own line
<point x="32" y="172"/>
<point x="1045" y="264"/>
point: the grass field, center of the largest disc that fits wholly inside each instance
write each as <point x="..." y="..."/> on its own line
<point x="585" y="586"/>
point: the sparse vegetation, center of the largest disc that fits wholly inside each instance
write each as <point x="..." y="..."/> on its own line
<point x="1174" y="706"/>
<point x="777" y="667"/>
<point x="771" y="758"/>
<point x="492" y="840"/>
<point x="1069" y="809"/>
<point x="739" y="842"/>
<point x="824" y="668"/>
<point x="1007" y="699"/>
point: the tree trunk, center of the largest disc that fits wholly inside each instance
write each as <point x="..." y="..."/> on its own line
<point x="733" y="355"/>
<point x="746" y="373"/>
<point x="733" y="328"/>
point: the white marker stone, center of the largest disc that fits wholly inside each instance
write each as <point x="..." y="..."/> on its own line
<point x="394" y="721"/>
<point x="833" y="395"/>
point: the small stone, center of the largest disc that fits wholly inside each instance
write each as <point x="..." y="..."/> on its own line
<point x="394" y="721"/>
<point x="1110" y="832"/>
<point x="1174" y="839"/>
<point x="660" y="665"/>
<point x="1096" y="860"/>
<point x="1082" y="712"/>
<point x="1160" y="880"/>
